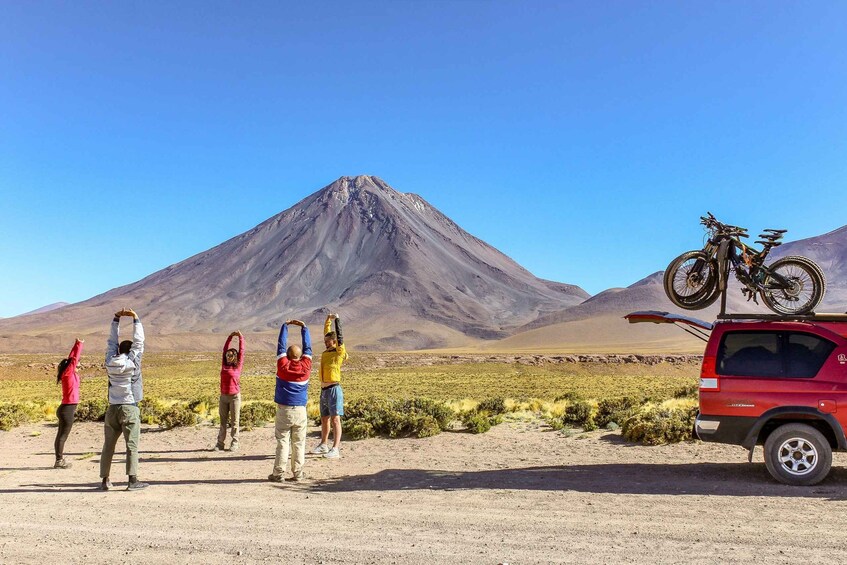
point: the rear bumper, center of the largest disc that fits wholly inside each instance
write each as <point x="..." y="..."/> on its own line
<point x="723" y="429"/>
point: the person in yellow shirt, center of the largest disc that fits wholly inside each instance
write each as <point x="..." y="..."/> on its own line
<point x="332" y="397"/>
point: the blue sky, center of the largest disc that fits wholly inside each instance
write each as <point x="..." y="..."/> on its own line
<point x="583" y="139"/>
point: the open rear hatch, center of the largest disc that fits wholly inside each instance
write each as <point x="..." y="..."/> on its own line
<point x="697" y="328"/>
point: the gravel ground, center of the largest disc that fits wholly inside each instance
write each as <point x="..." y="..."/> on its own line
<point x="518" y="494"/>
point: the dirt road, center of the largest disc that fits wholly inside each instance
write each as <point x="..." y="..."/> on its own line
<point x="518" y="494"/>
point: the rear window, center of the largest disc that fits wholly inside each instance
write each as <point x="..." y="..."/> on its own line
<point x="772" y="354"/>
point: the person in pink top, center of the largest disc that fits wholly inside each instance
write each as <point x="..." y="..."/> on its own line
<point x="67" y="376"/>
<point x="229" y="406"/>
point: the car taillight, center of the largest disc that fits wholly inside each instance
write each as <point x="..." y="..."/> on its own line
<point x="708" y="377"/>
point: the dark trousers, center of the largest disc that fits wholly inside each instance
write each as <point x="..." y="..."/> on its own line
<point x="65" y="413"/>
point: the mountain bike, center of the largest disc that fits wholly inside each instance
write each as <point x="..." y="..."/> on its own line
<point x="791" y="285"/>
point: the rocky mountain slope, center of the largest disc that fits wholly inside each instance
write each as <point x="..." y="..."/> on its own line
<point x="403" y="275"/>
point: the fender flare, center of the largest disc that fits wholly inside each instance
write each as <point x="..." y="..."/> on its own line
<point x="806" y="411"/>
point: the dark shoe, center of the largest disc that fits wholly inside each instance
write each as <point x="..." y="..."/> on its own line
<point x="62" y="464"/>
<point x="106" y="485"/>
<point x="275" y="478"/>
<point x="137" y="485"/>
<point x="218" y="447"/>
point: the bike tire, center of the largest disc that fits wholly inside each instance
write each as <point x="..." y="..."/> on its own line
<point x="691" y="290"/>
<point x="807" y="292"/>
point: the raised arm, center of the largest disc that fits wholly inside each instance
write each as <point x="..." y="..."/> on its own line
<point x="226" y="347"/>
<point x="338" y="336"/>
<point x="112" y="343"/>
<point x="282" y="342"/>
<point x="76" y="352"/>
<point x="307" y="341"/>
<point x="137" y="339"/>
<point x="241" y="344"/>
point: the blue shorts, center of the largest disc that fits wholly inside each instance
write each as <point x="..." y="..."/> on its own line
<point x="332" y="401"/>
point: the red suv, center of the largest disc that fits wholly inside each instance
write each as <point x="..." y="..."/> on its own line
<point x="776" y="382"/>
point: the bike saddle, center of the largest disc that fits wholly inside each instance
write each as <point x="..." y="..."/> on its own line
<point x="770" y="243"/>
<point x="776" y="231"/>
<point x="771" y="236"/>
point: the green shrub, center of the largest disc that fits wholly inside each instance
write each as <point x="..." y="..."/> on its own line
<point x="615" y="410"/>
<point x="476" y="422"/>
<point x="418" y="417"/>
<point x="658" y="426"/>
<point x="426" y="426"/>
<point x="495" y="405"/>
<point x="688" y="391"/>
<point x="151" y="410"/>
<point x="357" y="428"/>
<point x="370" y="409"/>
<point x="91" y="410"/>
<point x="14" y="414"/>
<point x="178" y="415"/>
<point x="439" y="411"/>
<point x="580" y="413"/>
<point x="569" y="396"/>
<point x="257" y="414"/>
<point x="207" y="403"/>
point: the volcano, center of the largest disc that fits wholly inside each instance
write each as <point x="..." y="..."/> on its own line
<point x="401" y="274"/>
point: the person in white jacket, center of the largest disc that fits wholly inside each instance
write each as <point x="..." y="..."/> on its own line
<point x="123" y="417"/>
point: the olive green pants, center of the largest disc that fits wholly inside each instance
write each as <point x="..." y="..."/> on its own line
<point x="229" y="409"/>
<point x="121" y="419"/>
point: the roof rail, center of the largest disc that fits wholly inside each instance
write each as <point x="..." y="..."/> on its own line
<point x="812" y="317"/>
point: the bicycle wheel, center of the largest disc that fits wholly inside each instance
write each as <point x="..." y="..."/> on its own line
<point x="794" y="285"/>
<point x="691" y="281"/>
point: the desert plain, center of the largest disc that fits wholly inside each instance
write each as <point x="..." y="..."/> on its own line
<point x="521" y="493"/>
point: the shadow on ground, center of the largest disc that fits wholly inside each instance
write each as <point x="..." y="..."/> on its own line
<point x="718" y="479"/>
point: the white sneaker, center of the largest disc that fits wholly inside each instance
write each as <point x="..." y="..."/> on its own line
<point x="320" y="449"/>
<point x="332" y="454"/>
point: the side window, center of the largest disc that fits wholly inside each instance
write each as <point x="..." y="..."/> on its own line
<point x="750" y="354"/>
<point x="772" y="354"/>
<point x="806" y="354"/>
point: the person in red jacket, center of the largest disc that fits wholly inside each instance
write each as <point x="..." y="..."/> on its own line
<point x="229" y="406"/>
<point x="69" y="379"/>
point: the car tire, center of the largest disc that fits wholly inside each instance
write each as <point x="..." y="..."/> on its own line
<point x="798" y="454"/>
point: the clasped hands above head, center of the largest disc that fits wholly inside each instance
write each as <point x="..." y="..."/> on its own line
<point x="126" y="312"/>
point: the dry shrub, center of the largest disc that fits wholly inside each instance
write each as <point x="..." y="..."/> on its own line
<point x="256" y="414"/>
<point x="688" y="391"/>
<point x="14" y="414"/>
<point x="419" y="417"/>
<point x="91" y="410"/>
<point x="357" y="428"/>
<point x="616" y="410"/>
<point x="580" y="414"/>
<point x="178" y="415"/>
<point x="151" y="410"/>
<point x="205" y="404"/>
<point x="660" y="425"/>
<point x="495" y="405"/>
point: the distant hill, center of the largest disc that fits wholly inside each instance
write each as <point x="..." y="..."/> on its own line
<point x="48" y="308"/>
<point x="597" y="324"/>
<point x="403" y="275"/>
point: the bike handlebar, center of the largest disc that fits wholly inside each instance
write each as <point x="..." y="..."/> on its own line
<point x="712" y="223"/>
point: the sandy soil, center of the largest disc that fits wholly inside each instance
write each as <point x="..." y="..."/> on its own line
<point x="518" y="494"/>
